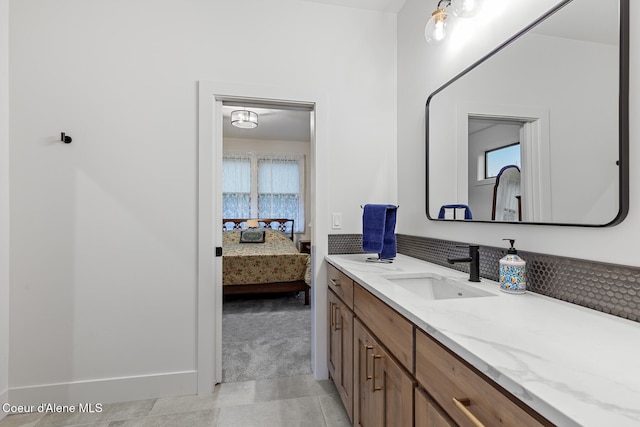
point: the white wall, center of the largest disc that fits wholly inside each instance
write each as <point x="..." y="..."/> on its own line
<point x="103" y="268"/>
<point x="423" y="68"/>
<point x="4" y="203"/>
<point x="270" y="146"/>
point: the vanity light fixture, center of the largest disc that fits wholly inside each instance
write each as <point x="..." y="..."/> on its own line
<point x="436" y="29"/>
<point x="244" y="119"/>
<point x="464" y="8"/>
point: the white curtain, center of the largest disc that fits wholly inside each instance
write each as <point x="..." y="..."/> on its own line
<point x="281" y="188"/>
<point x="236" y="186"/>
<point x="264" y="186"/>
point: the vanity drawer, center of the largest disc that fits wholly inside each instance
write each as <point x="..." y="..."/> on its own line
<point x="448" y="379"/>
<point x="341" y="284"/>
<point x="387" y="325"/>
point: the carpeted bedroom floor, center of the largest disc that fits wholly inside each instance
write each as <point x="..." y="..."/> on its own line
<point x="265" y="337"/>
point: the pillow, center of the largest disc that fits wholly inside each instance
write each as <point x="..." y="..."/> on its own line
<point x="252" y="236"/>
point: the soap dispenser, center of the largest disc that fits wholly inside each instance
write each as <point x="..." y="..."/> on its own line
<point x="513" y="276"/>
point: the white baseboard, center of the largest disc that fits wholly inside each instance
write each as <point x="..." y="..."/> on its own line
<point x="109" y="390"/>
<point x="4" y="398"/>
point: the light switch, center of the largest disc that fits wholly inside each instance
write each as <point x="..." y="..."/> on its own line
<point x="336" y="221"/>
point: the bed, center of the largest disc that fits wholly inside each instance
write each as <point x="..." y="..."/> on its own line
<point x="275" y="265"/>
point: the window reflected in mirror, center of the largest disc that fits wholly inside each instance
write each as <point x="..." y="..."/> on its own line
<point x="497" y="158"/>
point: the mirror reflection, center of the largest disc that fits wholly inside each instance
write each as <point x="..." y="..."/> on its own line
<point x="544" y="111"/>
<point x="507" y="196"/>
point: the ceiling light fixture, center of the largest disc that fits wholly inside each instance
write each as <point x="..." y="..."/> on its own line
<point x="436" y="29"/>
<point x="244" y="119"/>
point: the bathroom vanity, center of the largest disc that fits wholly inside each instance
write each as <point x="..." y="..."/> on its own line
<point x="414" y="343"/>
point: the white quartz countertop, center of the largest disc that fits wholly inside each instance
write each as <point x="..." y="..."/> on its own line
<point x="573" y="365"/>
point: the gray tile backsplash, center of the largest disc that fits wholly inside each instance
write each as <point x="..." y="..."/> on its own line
<point x="610" y="288"/>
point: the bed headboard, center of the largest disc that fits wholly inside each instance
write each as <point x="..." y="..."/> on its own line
<point x="240" y="223"/>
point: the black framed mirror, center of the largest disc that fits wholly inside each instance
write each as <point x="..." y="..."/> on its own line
<point x="552" y="100"/>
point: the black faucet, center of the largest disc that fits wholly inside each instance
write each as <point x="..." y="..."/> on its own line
<point x="474" y="262"/>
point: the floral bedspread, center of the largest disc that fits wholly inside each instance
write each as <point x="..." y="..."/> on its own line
<point x="275" y="260"/>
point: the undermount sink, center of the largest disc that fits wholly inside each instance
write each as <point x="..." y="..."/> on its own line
<point x="435" y="287"/>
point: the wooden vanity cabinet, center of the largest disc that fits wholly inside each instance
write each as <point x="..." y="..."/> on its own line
<point x="383" y="394"/>
<point x="390" y="373"/>
<point x="340" y="348"/>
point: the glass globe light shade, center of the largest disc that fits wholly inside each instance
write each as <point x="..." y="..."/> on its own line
<point x="436" y="29"/>
<point x="465" y="8"/>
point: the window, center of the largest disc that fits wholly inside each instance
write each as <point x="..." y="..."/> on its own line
<point x="498" y="158"/>
<point x="263" y="186"/>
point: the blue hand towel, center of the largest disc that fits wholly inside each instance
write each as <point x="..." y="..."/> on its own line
<point x="389" y="246"/>
<point x="378" y="230"/>
<point x="373" y="222"/>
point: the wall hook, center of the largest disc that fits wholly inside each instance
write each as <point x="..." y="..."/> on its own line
<point x="66" y="139"/>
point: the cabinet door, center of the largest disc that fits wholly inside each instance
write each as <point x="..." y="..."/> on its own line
<point x="344" y="334"/>
<point x="397" y="389"/>
<point x="341" y="350"/>
<point x="383" y="390"/>
<point x="367" y="406"/>
<point x="428" y="414"/>
<point x="333" y="359"/>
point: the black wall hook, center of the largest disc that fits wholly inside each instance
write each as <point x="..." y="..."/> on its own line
<point x="65" y="139"/>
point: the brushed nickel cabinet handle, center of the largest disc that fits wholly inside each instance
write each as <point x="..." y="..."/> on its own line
<point x="335" y="326"/>
<point x="462" y="405"/>
<point x="374" y="387"/>
<point x="335" y="282"/>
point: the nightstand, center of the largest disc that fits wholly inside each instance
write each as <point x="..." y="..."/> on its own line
<point x="304" y="246"/>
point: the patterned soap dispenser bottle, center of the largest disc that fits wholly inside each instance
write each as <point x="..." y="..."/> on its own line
<point x="513" y="274"/>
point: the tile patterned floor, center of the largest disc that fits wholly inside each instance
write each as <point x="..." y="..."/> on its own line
<point x="278" y="402"/>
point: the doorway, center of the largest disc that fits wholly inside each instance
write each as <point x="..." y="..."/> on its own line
<point x="266" y="164"/>
<point x="210" y="140"/>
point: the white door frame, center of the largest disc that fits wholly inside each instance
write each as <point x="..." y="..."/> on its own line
<point x="535" y="149"/>
<point x="209" y="315"/>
